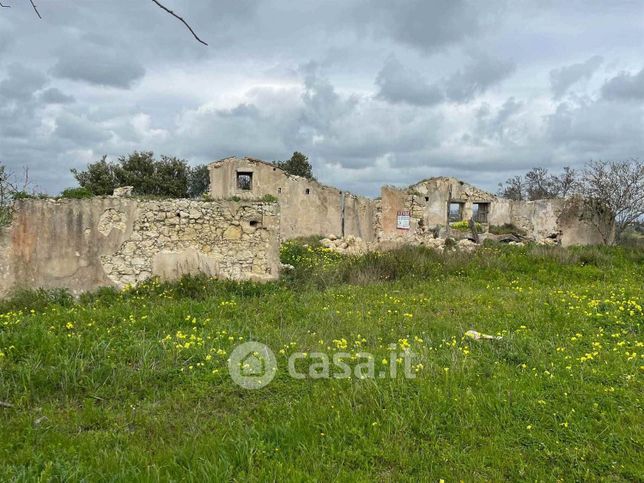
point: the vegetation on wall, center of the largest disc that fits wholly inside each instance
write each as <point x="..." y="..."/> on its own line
<point x="464" y="225"/>
<point x="76" y="193"/>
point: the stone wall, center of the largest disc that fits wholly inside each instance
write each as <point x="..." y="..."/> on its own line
<point x="85" y="244"/>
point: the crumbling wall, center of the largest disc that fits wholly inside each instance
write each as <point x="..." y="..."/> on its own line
<point x="584" y="223"/>
<point x="306" y="206"/>
<point x="538" y="219"/>
<point x="427" y="205"/>
<point x="84" y="244"/>
<point x="310" y="208"/>
<point x="563" y="221"/>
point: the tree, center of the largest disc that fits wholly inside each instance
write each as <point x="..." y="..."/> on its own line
<point x="198" y="181"/>
<point x="567" y="182"/>
<point x="514" y="189"/>
<point x="617" y="186"/>
<point x="171" y="177"/>
<point x="137" y="170"/>
<point x="5" y="186"/>
<point x="12" y="188"/>
<point x="540" y="184"/>
<point x="168" y="176"/>
<point x="5" y="210"/>
<point x="99" y="177"/>
<point x="298" y="165"/>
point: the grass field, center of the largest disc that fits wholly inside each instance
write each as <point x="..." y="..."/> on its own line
<point x="134" y="385"/>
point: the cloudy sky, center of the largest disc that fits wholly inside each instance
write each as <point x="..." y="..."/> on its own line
<point x="374" y="91"/>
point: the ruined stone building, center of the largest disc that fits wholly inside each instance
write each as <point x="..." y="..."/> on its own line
<point x="306" y="207"/>
<point x="425" y="209"/>
<point x="119" y="240"/>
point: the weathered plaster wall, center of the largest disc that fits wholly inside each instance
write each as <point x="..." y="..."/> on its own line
<point x="359" y="217"/>
<point x="537" y="218"/>
<point x="581" y="224"/>
<point x="306" y="206"/>
<point x="567" y="221"/>
<point x="84" y="244"/>
<point x="393" y="200"/>
<point x="500" y="212"/>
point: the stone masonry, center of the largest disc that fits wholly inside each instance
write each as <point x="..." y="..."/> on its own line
<point x="84" y="244"/>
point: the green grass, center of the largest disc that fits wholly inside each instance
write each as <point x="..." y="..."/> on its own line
<point x="133" y="385"/>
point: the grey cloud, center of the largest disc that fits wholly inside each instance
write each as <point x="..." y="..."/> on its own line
<point x="497" y="125"/>
<point x="322" y="103"/>
<point x="245" y="130"/>
<point x="476" y="77"/>
<point x="21" y="82"/>
<point x="55" y="96"/>
<point x="422" y="24"/>
<point x="400" y="85"/>
<point x="99" y="66"/>
<point x="601" y="127"/>
<point x="80" y="131"/>
<point x="351" y="130"/>
<point x="625" y="86"/>
<point x="563" y="78"/>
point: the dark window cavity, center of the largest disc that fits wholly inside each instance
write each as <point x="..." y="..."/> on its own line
<point x="244" y="181"/>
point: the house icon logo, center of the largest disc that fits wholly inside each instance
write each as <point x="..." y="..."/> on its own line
<point x="252" y="365"/>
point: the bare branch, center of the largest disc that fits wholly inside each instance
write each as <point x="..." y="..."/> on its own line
<point x="35" y="9"/>
<point x="4" y="6"/>
<point x="181" y="19"/>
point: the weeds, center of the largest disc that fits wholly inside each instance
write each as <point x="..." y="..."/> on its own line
<point x="132" y="384"/>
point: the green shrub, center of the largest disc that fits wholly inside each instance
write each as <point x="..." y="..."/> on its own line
<point x="269" y="198"/>
<point x="76" y="193"/>
<point x="23" y="195"/>
<point x="506" y="229"/>
<point x="464" y="225"/>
